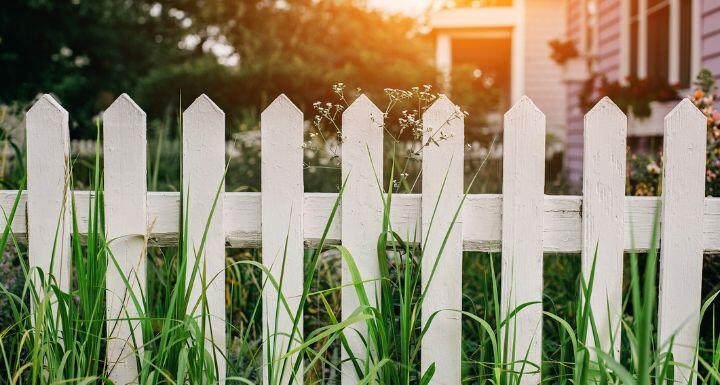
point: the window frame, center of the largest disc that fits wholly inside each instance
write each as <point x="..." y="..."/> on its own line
<point x="674" y="50"/>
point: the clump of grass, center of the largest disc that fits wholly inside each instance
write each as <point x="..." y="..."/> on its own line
<point x="59" y="336"/>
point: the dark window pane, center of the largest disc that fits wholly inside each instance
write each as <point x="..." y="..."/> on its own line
<point x="633" y="49"/>
<point x="634" y="7"/>
<point x="685" y="43"/>
<point x="658" y="48"/>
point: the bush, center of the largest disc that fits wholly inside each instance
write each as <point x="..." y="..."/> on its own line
<point x="644" y="170"/>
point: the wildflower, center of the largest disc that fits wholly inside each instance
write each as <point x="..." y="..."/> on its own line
<point x="653" y="168"/>
<point x="698" y="94"/>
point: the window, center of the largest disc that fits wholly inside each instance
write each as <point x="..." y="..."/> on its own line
<point x="634" y="36"/>
<point x="651" y="27"/>
<point x="686" y="51"/>
<point x="658" y="44"/>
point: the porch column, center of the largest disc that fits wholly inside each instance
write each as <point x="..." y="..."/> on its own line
<point x="443" y="58"/>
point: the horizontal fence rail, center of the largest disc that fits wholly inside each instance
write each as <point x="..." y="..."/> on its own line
<point x="481" y="229"/>
<point x="522" y="223"/>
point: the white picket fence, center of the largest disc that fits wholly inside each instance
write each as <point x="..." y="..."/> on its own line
<point x="528" y="222"/>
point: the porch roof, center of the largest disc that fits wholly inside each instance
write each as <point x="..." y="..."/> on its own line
<point x="469" y="18"/>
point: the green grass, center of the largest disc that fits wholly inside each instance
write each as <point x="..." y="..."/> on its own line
<point x="63" y="340"/>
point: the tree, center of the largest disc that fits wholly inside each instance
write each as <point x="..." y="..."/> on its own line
<point x="85" y="52"/>
<point x="88" y="52"/>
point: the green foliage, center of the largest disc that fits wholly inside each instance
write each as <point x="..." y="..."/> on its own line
<point x="632" y="95"/>
<point x="644" y="170"/>
<point x="85" y="52"/>
<point x="88" y="52"/>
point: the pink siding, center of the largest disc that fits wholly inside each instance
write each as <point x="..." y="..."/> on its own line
<point x="608" y="56"/>
<point x="710" y="33"/>
<point x="709" y="5"/>
<point x="608" y="64"/>
<point x="573" y="137"/>
<point x="545" y="22"/>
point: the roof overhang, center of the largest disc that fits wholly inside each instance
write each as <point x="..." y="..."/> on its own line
<point x="468" y="18"/>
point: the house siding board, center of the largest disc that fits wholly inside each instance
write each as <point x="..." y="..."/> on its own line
<point x="544" y="22"/>
<point x="609" y="38"/>
<point x="710" y="5"/>
<point x="711" y="45"/>
<point x="573" y="138"/>
<point x="713" y="64"/>
<point x="710" y="32"/>
<point x="607" y="63"/>
<point x="611" y="16"/>
<point x="711" y="23"/>
<point x="606" y="5"/>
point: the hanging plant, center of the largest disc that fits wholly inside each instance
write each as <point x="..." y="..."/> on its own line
<point x="563" y="51"/>
<point x="634" y="95"/>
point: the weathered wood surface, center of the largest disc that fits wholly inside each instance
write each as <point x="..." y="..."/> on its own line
<point x="603" y="224"/>
<point x="203" y="175"/>
<point x="442" y="185"/>
<point x="682" y="235"/>
<point x="522" y="232"/>
<point x="482" y="219"/>
<point x="282" y="234"/>
<point x="125" y="198"/>
<point x="48" y="182"/>
<point x="362" y="167"/>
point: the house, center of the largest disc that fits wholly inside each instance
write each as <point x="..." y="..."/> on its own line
<point x="669" y="40"/>
<point x="509" y="40"/>
<point x="650" y="39"/>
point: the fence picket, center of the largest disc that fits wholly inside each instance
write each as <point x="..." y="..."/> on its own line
<point x="362" y="215"/>
<point x="442" y="267"/>
<point x="48" y="203"/>
<point x="526" y="221"/>
<point x="681" y="252"/>
<point x="603" y="222"/>
<point x="125" y="192"/>
<point x="203" y="174"/>
<point x="282" y="232"/>
<point x="522" y="230"/>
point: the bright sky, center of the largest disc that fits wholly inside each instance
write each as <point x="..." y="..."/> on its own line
<point x="406" y="6"/>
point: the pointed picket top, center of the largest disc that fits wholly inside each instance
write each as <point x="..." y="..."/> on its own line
<point x="204" y="105"/>
<point x="361" y="119"/>
<point x="125" y="105"/>
<point x="282" y="104"/>
<point x="362" y="105"/>
<point x="525" y="115"/>
<point x="685" y="110"/>
<point x="441" y="105"/>
<point x="524" y="106"/>
<point x="45" y="104"/>
<point x="606" y="107"/>
<point x="604" y="116"/>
